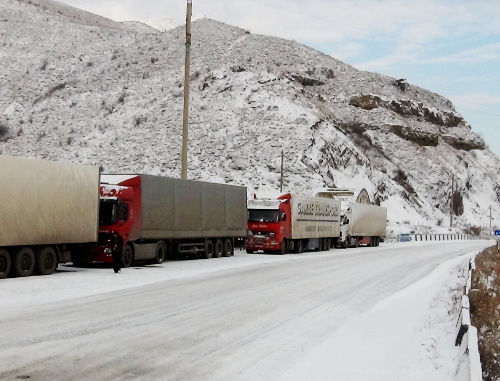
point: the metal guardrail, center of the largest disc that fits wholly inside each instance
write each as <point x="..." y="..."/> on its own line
<point x="431" y="237"/>
<point x="467" y="334"/>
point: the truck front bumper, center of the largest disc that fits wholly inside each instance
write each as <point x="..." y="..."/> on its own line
<point x="102" y="254"/>
<point x="262" y="245"/>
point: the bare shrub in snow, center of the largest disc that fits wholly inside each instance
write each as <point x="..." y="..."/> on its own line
<point x="140" y="119"/>
<point x="40" y="135"/>
<point x="44" y="65"/>
<point x="4" y="131"/>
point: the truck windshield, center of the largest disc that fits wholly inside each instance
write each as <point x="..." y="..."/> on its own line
<point x="107" y="212"/>
<point x="262" y="215"/>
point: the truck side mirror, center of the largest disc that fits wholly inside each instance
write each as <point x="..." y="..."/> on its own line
<point x="281" y="216"/>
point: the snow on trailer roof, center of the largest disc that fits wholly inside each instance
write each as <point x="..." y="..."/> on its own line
<point x="351" y="195"/>
<point x="115" y="179"/>
<point x="264" y="204"/>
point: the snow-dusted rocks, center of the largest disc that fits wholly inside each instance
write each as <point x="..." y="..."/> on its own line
<point x="91" y="90"/>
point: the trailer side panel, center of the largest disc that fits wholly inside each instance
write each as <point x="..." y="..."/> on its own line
<point x="368" y="220"/>
<point x="315" y="217"/>
<point x="45" y="202"/>
<point x="176" y="209"/>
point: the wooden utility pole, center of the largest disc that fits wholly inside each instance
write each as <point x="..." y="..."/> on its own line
<point x="451" y="200"/>
<point x="281" y="178"/>
<point x="491" y="232"/>
<point x="185" y="118"/>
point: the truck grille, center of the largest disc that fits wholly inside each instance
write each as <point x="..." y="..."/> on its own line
<point x="104" y="239"/>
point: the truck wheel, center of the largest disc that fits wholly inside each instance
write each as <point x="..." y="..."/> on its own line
<point x="348" y="242"/>
<point x="161" y="251"/>
<point x="4" y="263"/>
<point x="127" y="256"/>
<point x="228" y="248"/>
<point x="209" y="249"/>
<point x="45" y="260"/>
<point x="249" y="251"/>
<point x="24" y="262"/>
<point x="219" y="249"/>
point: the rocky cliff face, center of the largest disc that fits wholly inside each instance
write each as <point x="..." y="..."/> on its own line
<point x="78" y="87"/>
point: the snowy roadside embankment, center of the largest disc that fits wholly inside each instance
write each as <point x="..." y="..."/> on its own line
<point x="409" y="336"/>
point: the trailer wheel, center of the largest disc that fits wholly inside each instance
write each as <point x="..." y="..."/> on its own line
<point x="228" y="248"/>
<point x="209" y="249"/>
<point x="4" y="263"/>
<point x="24" y="262"/>
<point x="250" y="251"/>
<point x="45" y="260"/>
<point x="127" y="256"/>
<point x="356" y="242"/>
<point x="219" y="249"/>
<point x="161" y="251"/>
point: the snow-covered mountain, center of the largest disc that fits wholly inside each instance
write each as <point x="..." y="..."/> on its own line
<point x="75" y="86"/>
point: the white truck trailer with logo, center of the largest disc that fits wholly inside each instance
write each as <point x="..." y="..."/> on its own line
<point x="361" y="222"/>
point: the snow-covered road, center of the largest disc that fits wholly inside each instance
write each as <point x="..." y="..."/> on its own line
<point x="248" y="317"/>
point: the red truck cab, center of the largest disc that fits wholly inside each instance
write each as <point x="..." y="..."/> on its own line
<point x="116" y="214"/>
<point x="269" y="224"/>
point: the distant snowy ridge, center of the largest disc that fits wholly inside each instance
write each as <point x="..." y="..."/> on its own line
<point x="78" y="87"/>
<point x="162" y="24"/>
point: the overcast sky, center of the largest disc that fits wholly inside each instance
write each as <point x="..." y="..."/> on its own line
<point x="451" y="47"/>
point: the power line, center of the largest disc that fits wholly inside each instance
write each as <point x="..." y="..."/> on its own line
<point x="478" y="103"/>
<point x="478" y="112"/>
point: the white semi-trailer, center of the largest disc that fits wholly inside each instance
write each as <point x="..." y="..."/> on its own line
<point x="362" y="224"/>
<point x="46" y="207"/>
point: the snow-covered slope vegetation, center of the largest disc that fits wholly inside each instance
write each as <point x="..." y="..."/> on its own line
<point x="75" y="86"/>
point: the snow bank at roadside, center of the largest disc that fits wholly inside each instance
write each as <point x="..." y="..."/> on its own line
<point x="409" y="336"/>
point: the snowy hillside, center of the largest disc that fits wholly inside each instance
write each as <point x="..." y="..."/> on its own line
<point x="78" y="87"/>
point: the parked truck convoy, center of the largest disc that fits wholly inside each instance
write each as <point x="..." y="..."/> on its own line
<point x="161" y="217"/>
<point x="53" y="212"/>
<point x="292" y="223"/>
<point x="46" y="209"/>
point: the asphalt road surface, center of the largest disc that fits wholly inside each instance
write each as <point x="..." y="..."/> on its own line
<point x="248" y="317"/>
